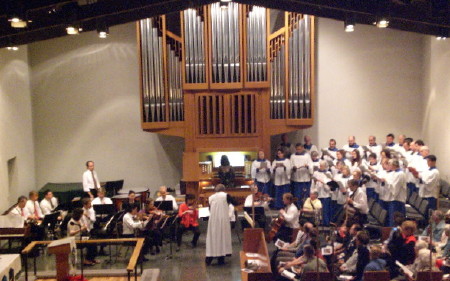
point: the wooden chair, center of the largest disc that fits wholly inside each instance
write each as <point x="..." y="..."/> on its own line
<point x="376" y="276"/>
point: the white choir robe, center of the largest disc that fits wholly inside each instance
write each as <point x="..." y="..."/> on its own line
<point x="397" y="183"/>
<point x="304" y="167"/>
<point x="281" y="176"/>
<point x="349" y="149"/>
<point x="322" y="188"/>
<point x="331" y="153"/>
<point x="429" y="185"/>
<point x="339" y="195"/>
<point x="261" y="175"/>
<point x="218" y="237"/>
<point x="313" y="148"/>
<point x="383" y="188"/>
<point x="374" y="149"/>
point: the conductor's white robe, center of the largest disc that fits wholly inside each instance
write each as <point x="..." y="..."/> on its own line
<point x="218" y="237"/>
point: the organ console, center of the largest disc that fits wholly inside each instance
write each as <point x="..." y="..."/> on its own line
<point x="225" y="79"/>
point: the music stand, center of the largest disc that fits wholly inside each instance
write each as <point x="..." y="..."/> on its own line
<point x="164" y="205"/>
<point x="50" y="221"/>
<point x="104" y="209"/>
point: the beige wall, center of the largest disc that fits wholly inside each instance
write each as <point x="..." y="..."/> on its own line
<point x="436" y="104"/>
<point x="86" y="107"/>
<point x="16" y="139"/>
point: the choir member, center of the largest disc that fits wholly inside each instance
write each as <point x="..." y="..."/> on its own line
<point x="309" y="146"/>
<point x="101" y="199"/>
<point x="351" y="146"/>
<point x="340" y="157"/>
<point x="189" y="220"/>
<point x="49" y="203"/>
<point x="396" y="188"/>
<point x="390" y="142"/>
<point x="429" y="183"/>
<point x="163" y="196"/>
<point x="372" y="166"/>
<point x="286" y="146"/>
<point x="340" y="193"/>
<point x="261" y="173"/>
<point x="281" y="171"/>
<point x="77" y="227"/>
<point x="290" y="214"/>
<point x="90" y="180"/>
<point x="34" y="210"/>
<point x="373" y="147"/>
<point x="356" y="205"/>
<point x="319" y="184"/>
<point x="329" y="153"/>
<point x="218" y="237"/>
<point x="226" y="172"/>
<point x="356" y="160"/>
<point x="301" y="165"/>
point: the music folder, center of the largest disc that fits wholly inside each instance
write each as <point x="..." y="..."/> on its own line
<point x="166" y="205"/>
<point x="104" y="209"/>
<point x="258" y="210"/>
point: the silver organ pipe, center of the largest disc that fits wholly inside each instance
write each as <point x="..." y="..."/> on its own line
<point x="299" y="67"/>
<point x="194" y="46"/>
<point x="256" y="45"/>
<point x="174" y="80"/>
<point x="277" y="88"/>
<point x="225" y="43"/>
<point x="152" y="71"/>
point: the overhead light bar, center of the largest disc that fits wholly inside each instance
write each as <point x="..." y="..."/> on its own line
<point x="17" y="22"/>
<point x="382" y="22"/>
<point x="12" y="48"/>
<point x="443" y="34"/>
<point x="103" y="33"/>
<point x="349" y="24"/>
<point x="73" y="29"/>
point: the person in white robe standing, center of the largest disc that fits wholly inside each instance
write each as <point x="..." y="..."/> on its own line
<point x="218" y="237"/>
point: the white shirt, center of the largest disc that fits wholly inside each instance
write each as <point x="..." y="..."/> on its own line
<point x="74" y="225"/>
<point x="249" y="201"/>
<point x="46" y="206"/>
<point x="291" y="216"/>
<point x="281" y="175"/>
<point x="304" y="168"/>
<point x="429" y="185"/>
<point x="130" y="224"/>
<point x="88" y="181"/>
<point x="98" y="201"/>
<point x="322" y="188"/>
<point x="262" y="175"/>
<point x="33" y="206"/>
<point x="88" y="218"/>
<point x="168" y="198"/>
<point x="360" y="201"/>
<point x="17" y="211"/>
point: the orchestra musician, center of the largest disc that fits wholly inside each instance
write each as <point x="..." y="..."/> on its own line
<point x="156" y="219"/>
<point x="131" y="200"/>
<point x="163" y="196"/>
<point x="49" y="203"/>
<point x="19" y="209"/>
<point x="261" y="173"/>
<point x="189" y="220"/>
<point x="256" y="199"/>
<point x="77" y="227"/>
<point x="90" y="180"/>
<point x="131" y="223"/>
<point x="101" y="199"/>
<point x="290" y="215"/>
<point x="34" y="210"/>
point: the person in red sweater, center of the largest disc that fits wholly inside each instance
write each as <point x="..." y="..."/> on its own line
<point x="188" y="214"/>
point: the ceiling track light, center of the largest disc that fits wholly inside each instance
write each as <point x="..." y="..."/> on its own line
<point x="17" y="22"/>
<point x="73" y="29"/>
<point x="103" y="32"/>
<point x="349" y="24"/>
<point x="382" y="22"/>
<point x="443" y="34"/>
<point x="12" y="48"/>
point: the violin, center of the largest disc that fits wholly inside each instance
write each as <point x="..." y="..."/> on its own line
<point x="260" y="197"/>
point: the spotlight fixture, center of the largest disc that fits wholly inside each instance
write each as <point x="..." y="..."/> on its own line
<point x="349" y="25"/>
<point x="443" y="34"/>
<point x="382" y="22"/>
<point x="17" y="22"/>
<point x="73" y="30"/>
<point x="103" y="33"/>
<point x="12" y="48"/>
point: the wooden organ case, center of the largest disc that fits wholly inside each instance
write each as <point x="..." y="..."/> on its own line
<point x="225" y="79"/>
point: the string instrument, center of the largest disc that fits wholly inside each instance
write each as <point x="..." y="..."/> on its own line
<point x="274" y="228"/>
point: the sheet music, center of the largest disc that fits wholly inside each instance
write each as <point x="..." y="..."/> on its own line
<point x="203" y="212"/>
<point x="249" y="220"/>
<point x="404" y="268"/>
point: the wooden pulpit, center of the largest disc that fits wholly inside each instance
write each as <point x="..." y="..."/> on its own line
<point x="61" y="248"/>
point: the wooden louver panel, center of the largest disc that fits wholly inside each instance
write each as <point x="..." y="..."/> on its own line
<point x="211" y="114"/>
<point x="243" y="114"/>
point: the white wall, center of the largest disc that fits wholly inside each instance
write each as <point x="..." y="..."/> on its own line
<point x="86" y="107"/>
<point x="368" y="82"/>
<point x="436" y="105"/>
<point x="16" y="139"/>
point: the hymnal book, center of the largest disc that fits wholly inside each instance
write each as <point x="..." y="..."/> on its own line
<point x="365" y="148"/>
<point x="327" y="251"/>
<point x="281" y="244"/>
<point x="249" y="220"/>
<point x="405" y="269"/>
<point x="287" y="274"/>
<point x="263" y="165"/>
<point x="279" y="164"/>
